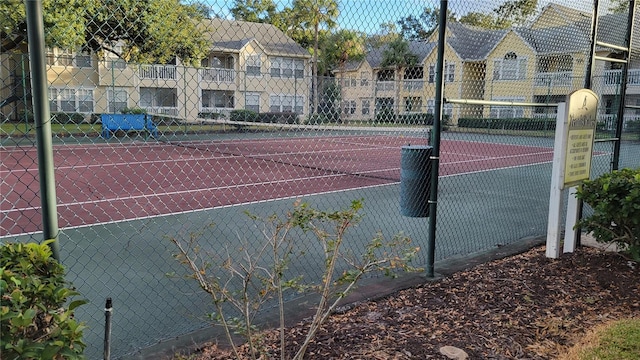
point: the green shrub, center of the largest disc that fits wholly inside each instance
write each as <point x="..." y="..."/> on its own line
<point x="278" y="117"/>
<point x="633" y="127"/>
<point x="385" y="116"/>
<point x="243" y="115"/>
<point x="615" y="199"/>
<point x="210" y="115"/>
<point x="134" y="110"/>
<point x="34" y="321"/>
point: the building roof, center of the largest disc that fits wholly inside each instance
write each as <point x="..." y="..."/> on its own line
<point x="232" y="36"/>
<point x="570" y="14"/>
<point x="472" y="43"/>
<point x="553" y="40"/>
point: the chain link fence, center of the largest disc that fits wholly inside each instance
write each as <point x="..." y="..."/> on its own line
<point x="170" y="116"/>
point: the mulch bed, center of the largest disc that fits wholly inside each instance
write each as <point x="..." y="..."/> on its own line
<point x="525" y="306"/>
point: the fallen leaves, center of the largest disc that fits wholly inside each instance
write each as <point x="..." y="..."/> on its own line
<point x="524" y="306"/>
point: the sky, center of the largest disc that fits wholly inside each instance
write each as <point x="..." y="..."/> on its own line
<point x="367" y="15"/>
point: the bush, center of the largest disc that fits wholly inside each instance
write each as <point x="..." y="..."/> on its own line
<point x="243" y="115"/>
<point x="385" y="116"/>
<point x="615" y="199"/>
<point x="34" y="323"/>
<point x="210" y="115"/>
<point x="278" y="117"/>
<point x="508" y="123"/>
<point x="135" y="111"/>
<point x="73" y="118"/>
<point x="633" y="127"/>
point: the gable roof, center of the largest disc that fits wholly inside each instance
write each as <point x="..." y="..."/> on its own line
<point x="563" y="39"/>
<point x="472" y="43"/>
<point x="570" y="14"/>
<point x="374" y="57"/>
<point x="232" y="36"/>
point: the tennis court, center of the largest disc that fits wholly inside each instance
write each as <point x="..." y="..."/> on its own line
<point x="109" y="182"/>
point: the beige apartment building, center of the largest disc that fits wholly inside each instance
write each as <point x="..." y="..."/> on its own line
<point x="250" y="66"/>
<point x="540" y="63"/>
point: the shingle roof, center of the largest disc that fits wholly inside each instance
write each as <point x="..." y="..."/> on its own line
<point x="472" y="43"/>
<point x="564" y="39"/>
<point x="232" y="35"/>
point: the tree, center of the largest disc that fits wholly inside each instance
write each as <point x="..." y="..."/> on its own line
<point x="619" y="6"/>
<point x="343" y="46"/>
<point x="399" y="56"/>
<point x="153" y="31"/>
<point x="421" y="27"/>
<point x="506" y="15"/>
<point x="388" y="32"/>
<point x="260" y="11"/>
<point x="314" y="14"/>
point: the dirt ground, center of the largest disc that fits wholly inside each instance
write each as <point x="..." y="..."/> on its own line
<point x="525" y="306"/>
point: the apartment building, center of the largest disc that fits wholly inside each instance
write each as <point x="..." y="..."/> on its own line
<point x="540" y="63"/>
<point x="250" y="66"/>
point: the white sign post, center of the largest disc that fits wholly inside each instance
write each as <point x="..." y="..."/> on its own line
<point x="573" y="148"/>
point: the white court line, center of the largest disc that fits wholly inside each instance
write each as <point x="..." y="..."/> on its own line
<point x="272" y="200"/>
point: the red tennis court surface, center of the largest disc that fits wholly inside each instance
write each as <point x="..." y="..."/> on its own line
<point x="102" y="183"/>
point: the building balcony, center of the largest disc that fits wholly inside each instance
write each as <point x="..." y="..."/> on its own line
<point x="218" y="75"/>
<point x="385" y="85"/>
<point x="158" y="72"/>
<point x="553" y="79"/>
<point x="614" y="77"/>
<point x="413" y="85"/>
<point x="161" y="110"/>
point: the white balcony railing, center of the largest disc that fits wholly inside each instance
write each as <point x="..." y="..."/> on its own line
<point x="413" y="85"/>
<point x="614" y="77"/>
<point x="609" y="120"/>
<point x="162" y="110"/>
<point x="560" y="78"/>
<point x="385" y="85"/>
<point x="218" y="75"/>
<point x="158" y="72"/>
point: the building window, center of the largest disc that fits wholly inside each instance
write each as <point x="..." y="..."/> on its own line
<point x="449" y="72"/>
<point x="158" y="97"/>
<point x="286" y="103"/>
<point x="432" y="74"/>
<point x="509" y="112"/>
<point x="254" y="64"/>
<point x="413" y="104"/>
<point x="510" y="68"/>
<point x="366" y="105"/>
<point x="287" y="67"/>
<point x="364" y="78"/>
<point x="71" y="100"/>
<point x="349" y="107"/>
<point x="252" y="101"/>
<point x="59" y="57"/>
<point x="117" y="99"/>
<point x="219" y="99"/>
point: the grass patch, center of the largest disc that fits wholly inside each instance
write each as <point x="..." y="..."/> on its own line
<point x="616" y="340"/>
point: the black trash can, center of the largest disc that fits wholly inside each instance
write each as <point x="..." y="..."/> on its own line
<point x="415" y="174"/>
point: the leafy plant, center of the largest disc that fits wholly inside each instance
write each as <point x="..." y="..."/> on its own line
<point x="615" y="199"/>
<point x="134" y="111"/>
<point x="248" y="283"/>
<point x="34" y="321"/>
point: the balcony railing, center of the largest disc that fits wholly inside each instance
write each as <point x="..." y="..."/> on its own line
<point x="218" y="75"/>
<point x="158" y="72"/>
<point x="560" y="78"/>
<point x="614" y="77"/>
<point x="609" y="120"/>
<point x="161" y="110"/>
<point x="413" y="85"/>
<point x="385" y="85"/>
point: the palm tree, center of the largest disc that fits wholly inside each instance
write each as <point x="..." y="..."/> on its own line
<point x="316" y="13"/>
<point x="344" y="46"/>
<point x="399" y="56"/>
